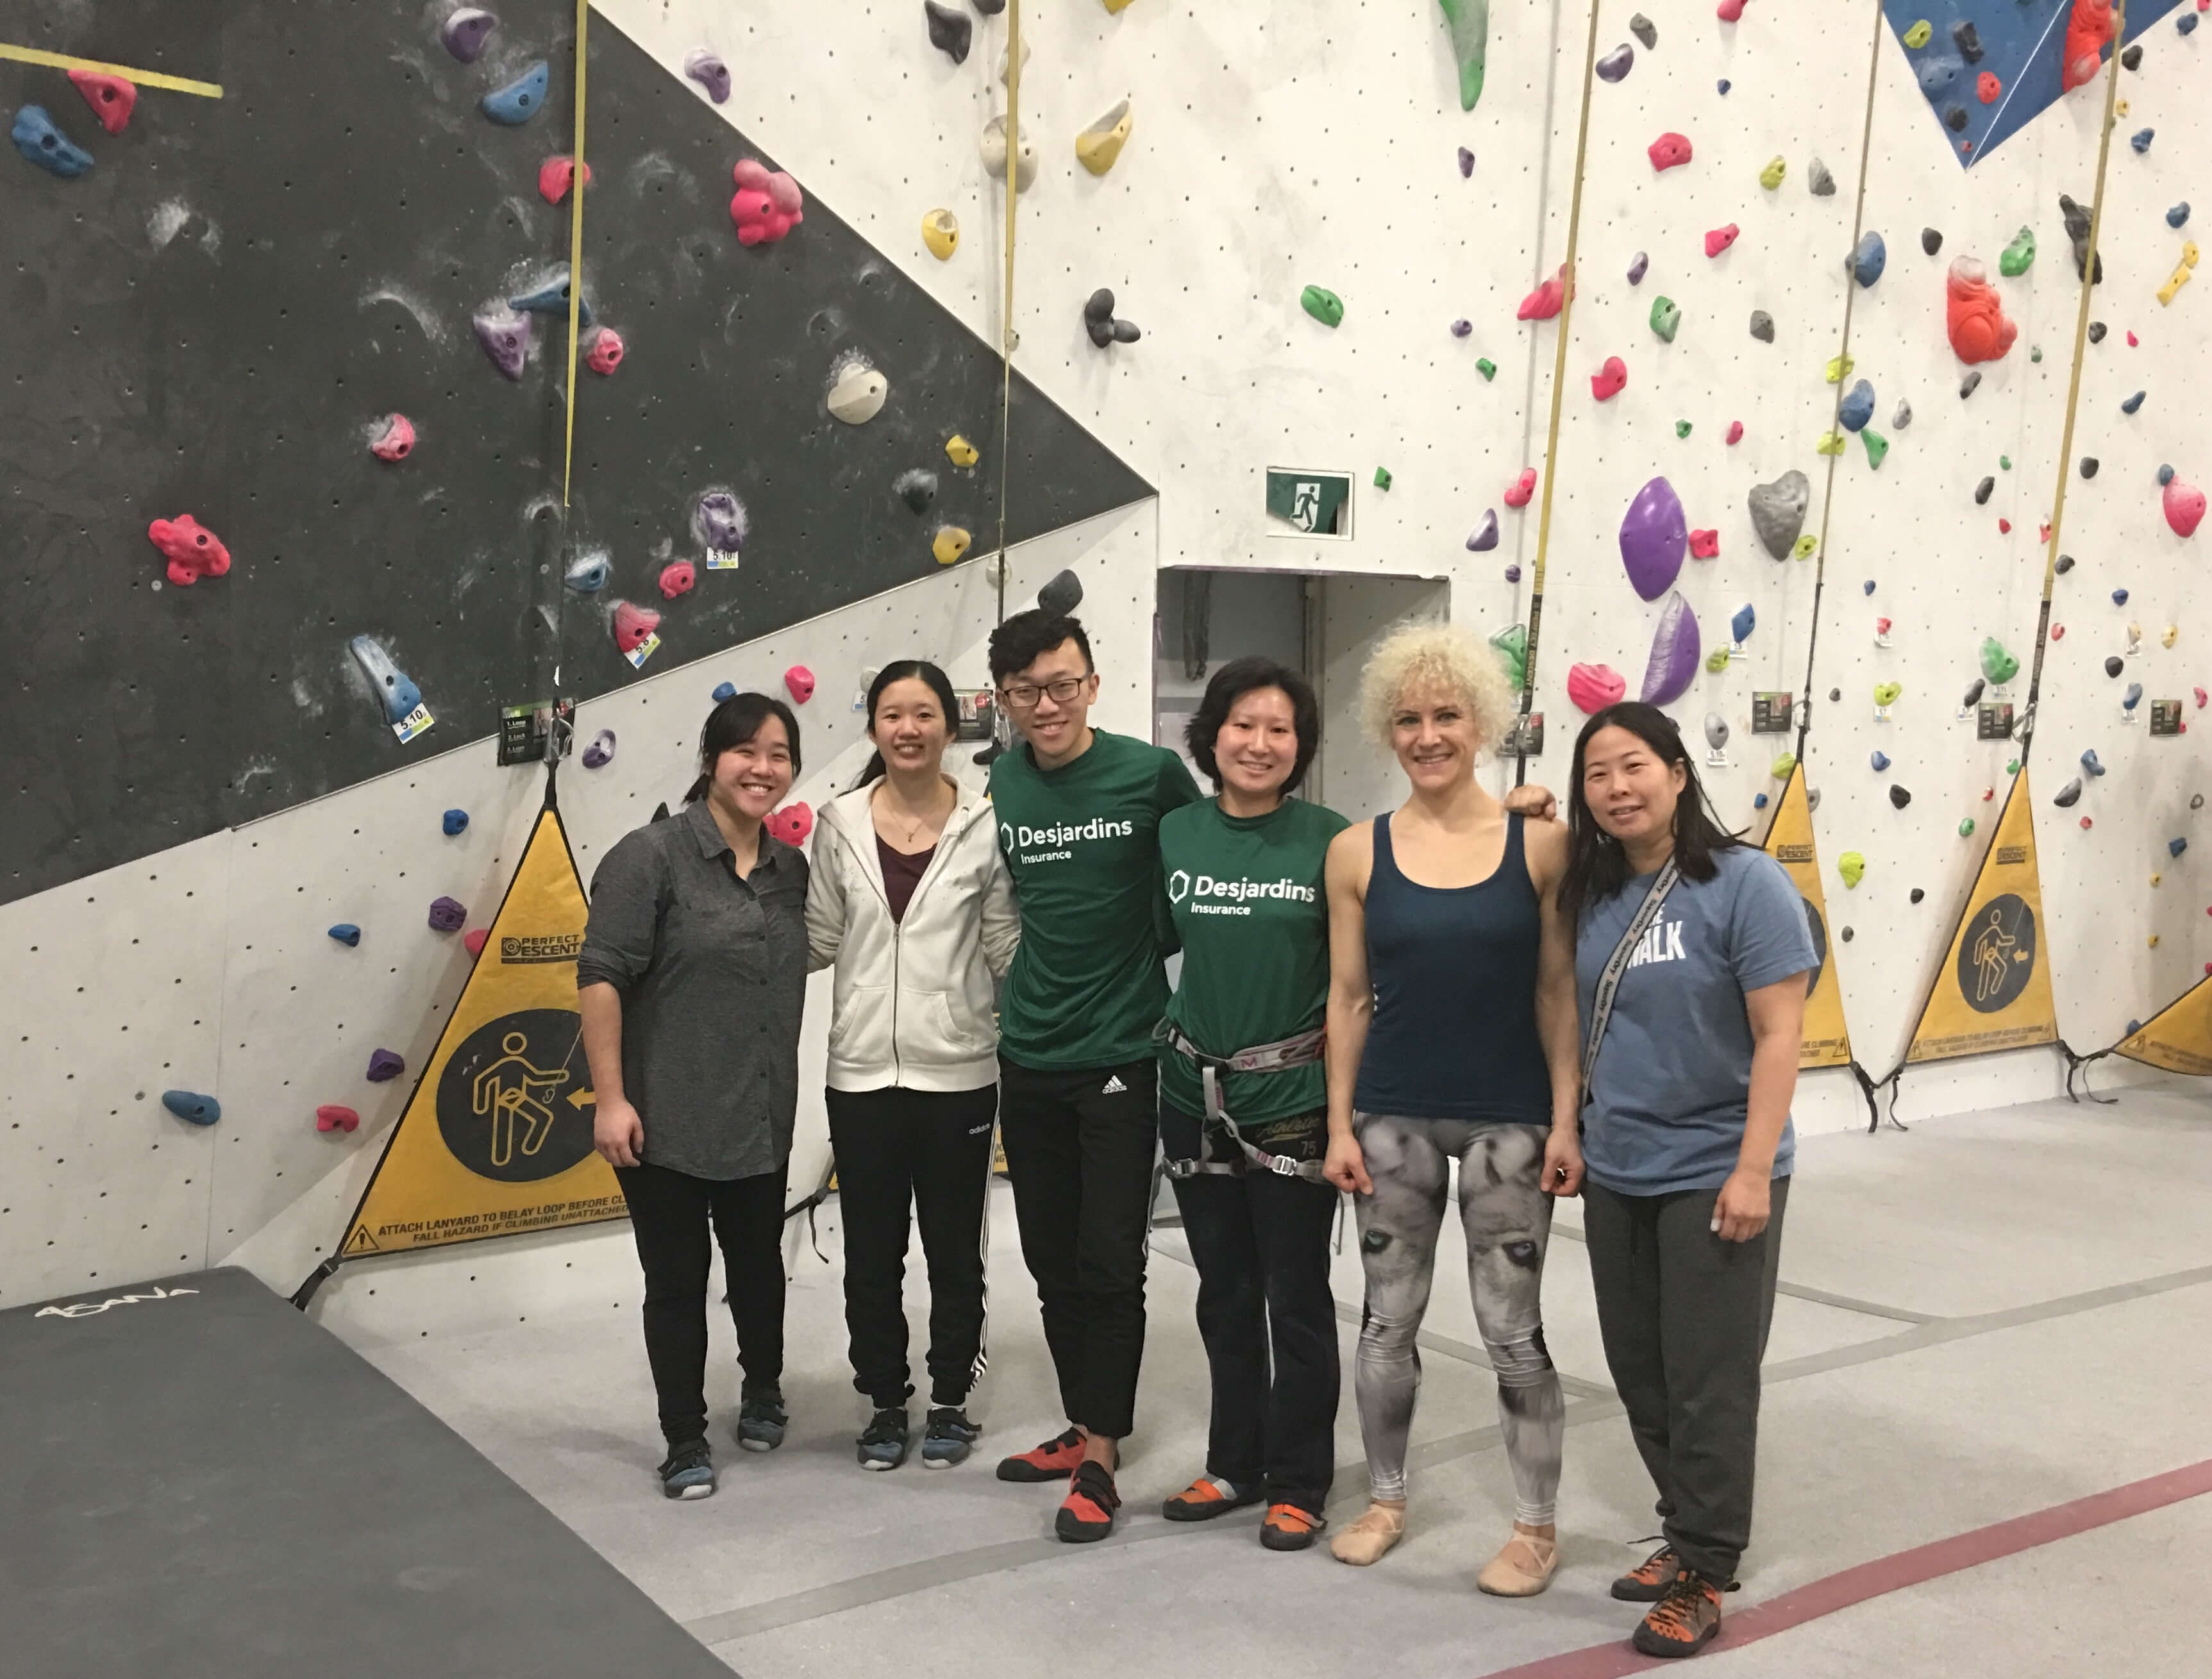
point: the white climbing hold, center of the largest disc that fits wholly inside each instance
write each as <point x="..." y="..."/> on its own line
<point x="857" y="391"/>
<point x="993" y="147"/>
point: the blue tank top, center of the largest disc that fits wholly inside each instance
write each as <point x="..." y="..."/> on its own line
<point x="1453" y="1035"/>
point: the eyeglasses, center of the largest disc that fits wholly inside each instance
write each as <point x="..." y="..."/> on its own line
<point x="1024" y="697"/>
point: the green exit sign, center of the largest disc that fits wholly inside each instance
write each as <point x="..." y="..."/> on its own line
<point x="1309" y="503"/>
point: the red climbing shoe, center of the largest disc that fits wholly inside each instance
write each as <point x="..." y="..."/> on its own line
<point x="1055" y="1460"/>
<point x="1208" y="1497"/>
<point x="1288" y="1528"/>
<point x="1087" y="1513"/>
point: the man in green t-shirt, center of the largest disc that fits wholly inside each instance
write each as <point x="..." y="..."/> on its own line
<point x="1079" y="812"/>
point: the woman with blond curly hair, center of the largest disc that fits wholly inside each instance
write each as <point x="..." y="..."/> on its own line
<point x="1452" y="1036"/>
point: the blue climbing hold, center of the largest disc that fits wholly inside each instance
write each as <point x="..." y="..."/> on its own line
<point x="2132" y="404"/>
<point x="2089" y="762"/>
<point x="2185" y="24"/>
<point x="1723" y="84"/>
<point x="1858" y="406"/>
<point x="456" y="820"/>
<point x="724" y="691"/>
<point x="42" y="143"/>
<point x="2130" y="700"/>
<point x="2175" y="846"/>
<point x="1740" y="625"/>
<point x="2119" y="598"/>
<point x="1880" y="761"/>
<point x="1868" y="258"/>
<point x="517" y="103"/>
<point x="1867" y="585"/>
<point x="392" y="685"/>
<point x="1937" y="74"/>
<point x="552" y="299"/>
<point x="2165" y="473"/>
<point x="346" y="933"/>
<point x="587" y="573"/>
<point x="1759" y="801"/>
<point x="2179" y="214"/>
<point x="2140" y="140"/>
<point x="192" y="1107"/>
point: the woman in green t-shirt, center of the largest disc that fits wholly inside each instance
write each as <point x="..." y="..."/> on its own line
<point x="1243" y="1105"/>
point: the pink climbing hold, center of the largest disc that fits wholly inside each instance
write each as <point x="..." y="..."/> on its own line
<point x="1610" y="380"/>
<point x="2184" y="507"/>
<point x="2088" y="33"/>
<point x="1975" y="316"/>
<point x="397" y="440"/>
<point x="193" y="550"/>
<point x="111" y="97"/>
<point x="792" y="824"/>
<point x="1518" y="491"/>
<point x="1704" y="544"/>
<point x="1718" y="240"/>
<point x="2200" y="695"/>
<point x="1545" y="301"/>
<point x="1728" y="11"/>
<point x="2133" y="340"/>
<point x="2004" y="527"/>
<point x="799" y="683"/>
<point x="1595" y="687"/>
<point x="1735" y="431"/>
<point x="1987" y="87"/>
<point x="605" y="354"/>
<point x="634" y="625"/>
<point x="676" y="578"/>
<point x="1668" y="150"/>
<point x="556" y="175"/>
<point x="474" y="938"/>
<point x="768" y="205"/>
<point x="331" y="1117"/>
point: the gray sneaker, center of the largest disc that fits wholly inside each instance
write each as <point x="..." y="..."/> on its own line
<point x="883" y="1444"/>
<point x="761" y="1421"/>
<point x="688" y="1472"/>
<point x="948" y="1438"/>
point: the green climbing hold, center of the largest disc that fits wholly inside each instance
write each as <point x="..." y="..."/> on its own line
<point x="1966" y="827"/>
<point x="2004" y="463"/>
<point x="1487" y="367"/>
<point x="1512" y="646"/>
<point x="1805" y="547"/>
<point x="1382" y="477"/>
<point x="1717" y="660"/>
<point x="1771" y="177"/>
<point x="2035" y="352"/>
<point x="1851" y="865"/>
<point x="1681" y="428"/>
<point x="1998" y="666"/>
<point x="2012" y="766"/>
<point x="1468" y="21"/>
<point x="1666" y="318"/>
<point x="1920" y="34"/>
<point x="1877" y="446"/>
<point x="2018" y="257"/>
<point x="1323" y="304"/>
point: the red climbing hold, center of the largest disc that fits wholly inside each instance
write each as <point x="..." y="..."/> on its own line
<point x="1704" y="544"/>
<point x="474" y="938"/>
<point x="1719" y="238"/>
<point x="799" y="683"/>
<point x="1735" y="431"/>
<point x="111" y="97"/>
<point x="768" y="205"/>
<point x="1610" y="380"/>
<point x="193" y="550"/>
<point x="332" y="1117"/>
<point x="634" y="625"/>
<point x="678" y="578"/>
<point x="1668" y="150"/>
<point x="1518" y="491"/>
<point x="1975" y="315"/>
<point x="605" y="354"/>
<point x="1545" y="301"/>
<point x="2004" y="527"/>
<point x="2088" y="33"/>
<point x="556" y="175"/>
<point x="2184" y="507"/>
<point x="792" y="824"/>
<point x="1728" y="11"/>
<point x="1987" y="87"/>
<point x="396" y="441"/>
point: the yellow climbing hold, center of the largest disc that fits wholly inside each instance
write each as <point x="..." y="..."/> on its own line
<point x="1830" y="443"/>
<point x="1885" y="693"/>
<point x="951" y="542"/>
<point x="1806" y="544"/>
<point x="1781" y="766"/>
<point x="1115" y="5"/>
<point x="960" y="451"/>
<point x="2166" y="293"/>
<point x="940" y="232"/>
<point x="1920" y="34"/>
<point x="1837" y="368"/>
<point x="2154" y="941"/>
<point x="1771" y="177"/>
<point x="1097" y="146"/>
<point x="2172" y="632"/>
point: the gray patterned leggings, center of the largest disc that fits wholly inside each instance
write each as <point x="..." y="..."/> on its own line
<point x="1507" y="1218"/>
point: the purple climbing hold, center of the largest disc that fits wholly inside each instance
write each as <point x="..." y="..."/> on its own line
<point x="1513" y="573"/>
<point x="1616" y="63"/>
<point x="447" y="915"/>
<point x="466" y="31"/>
<point x="1465" y="162"/>
<point x="710" y="73"/>
<point x="1485" y="534"/>
<point x="1462" y="328"/>
<point x="385" y="1066"/>
<point x="719" y="521"/>
<point x="1654" y="536"/>
<point x="601" y="751"/>
<point x="1637" y="267"/>
<point x="1674" y="649"/>
<point x="505" y="336"/>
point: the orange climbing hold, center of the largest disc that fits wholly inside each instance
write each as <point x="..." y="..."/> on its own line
<point x="1975" y="315"/>
<point x="2088" y="33"/>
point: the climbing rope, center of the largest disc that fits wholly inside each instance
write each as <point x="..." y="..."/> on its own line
<point x="1558" y="394"/>
<point x="575" y="253"/>
<point x="1006" y="301"/>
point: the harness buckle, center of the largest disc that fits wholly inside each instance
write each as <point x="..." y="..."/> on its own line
<point x="1282" y="1166"/>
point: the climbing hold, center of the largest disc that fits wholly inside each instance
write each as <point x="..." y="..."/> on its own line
<point x="1877" y="447"/>
<point x="2175" y="846"/>
<point x="1594" y="687"/>
<point x="1955" y="119"/>
<point x="1762" y="326"/>
<point x="2004" y="527"/>
<point x="1839" y="368"/>
<point x="1653" y="533"/>
<point x="2019" y="256"/>
<point x="1898" y="796"/>
<point x="1742" y="623"/>
<point x="1728" y="11"/>
<point x="346" y="933"/>
<point x="1675" y="650"/>
<point x="1868" y="258"/>
<point x="1666" y="318"/>
<point x="1968" y="386"/>
<point x="857" y="392"/>
<point x="1616" y="63"/>
<point x="768" y="203"/>
<point x="1645" y="30"/>
<point x="42" y="143"/>
<point x="1818" y="181"/>
<point x="1668" y="151"/>
<point x="634" y="625"/>
<point x="2088" y="466"/>
<point x="552" y="299"/>
<point x="719" y="522"/>
<point x="1778" y="511"/>
<point x="605" y="354"/>
<point x="1968" y="41"/>
<point x="710" y="73"/>
<point x="1856" y="407"/>
<point x="1974" y="314"/>
<point x="2133" y="403"/>
<point x="991" y="146"/>
<point x="940" y="232"/>
<point x="2096" y="332"/>
<point x="1323" y="305"/>
<point x="113" y="98"/>
<point x="2184" y="507"/>
<point x="1718" y="240"/>
<point x="1097" y="146"/>
<point x="332" y="1117"/>
<point x="1681" y="428"/>
<point x="2183" y="25"/>
<point x="1513" y="573"/>
<point x="1705" y="545"/>
<point x="1539" y="305"/>
<point x="1460" y="329"/>
<point x="1717" y="730"/>
<point x="1484" y="537"/>
<point x="960" y="451"/>
<point x="1851" y="865"/>
<point x="1988" y="87"/>
<point x="951" y="32"/>
<point x="2114" y="665"/>
<point x="2140" y="140"/>
<point x="2180" y="278"/>
<point x="1783" y="763"/>
<point x="556" y="175"/>
<point x="518" y="102"/>
<point x="465" y="32"/>
<point x="2164" y="474"/>
<point x="2077" y="232"/>
<point x="447" y="915"/>
<point x="1868" y="586"/>
<point x="1998" y="666"/>
<point x="1885" y="693"/>
<point x="2179" y="214"/>
<point x="601" y="751"/>
<point x="949" y="544"/>
<point x="1771" y="176"/>
<point x="1487" y="367"/>
<point x="1382" y="477"/>
<point x="384" y="1066"/>
<point x="1099" y="321"/>
<point x="1639" y="265"/>
<point x="1804" y="546"/>
<point x="2088" y="33"/>
<point x="1881" y="627"/>
<point x="2130" y="699"/>
<point x="917" y="488"/>
<point x="505" y="337"/>
<point x="191" y="1106"/>
<point x="1467" y="22"/>
<point x="799" y="683"/>
<point x="1931" y="241"/>
<point x="677" y="578"/>
<point x="588" y="572"/>
<point x="193" y="551"/>
<point x="1062" y="595"/>
<point x="1609" y="380"/>
<point x="1983" y="490"/>
<point x="1830" y="443"/>
<point x="1975" y="689"/>
<point x="455" y="820"/>
<point x="1735" y="434"/>
<point x="1518" y="491"/>
<point x="1919" y="34"/>
<point x="2167" y="638"/>
<point x="792" y="824"/>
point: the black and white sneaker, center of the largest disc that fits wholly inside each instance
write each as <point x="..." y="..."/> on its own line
<point x="688" y="1472"/>
<point x="948" y="1439"/>
<point x="761" y="1421"/>
<point x="883" y="1443"/>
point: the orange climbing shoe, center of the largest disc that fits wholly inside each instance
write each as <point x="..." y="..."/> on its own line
<point x="1055" y="1460"/>
<point x="1208" y="1497"/>
<point x="1683" y="1622"/>
<point x="1288" y="1528"/>
<point x="1087" y="1513"/>
<point x="1648" y="1581"/>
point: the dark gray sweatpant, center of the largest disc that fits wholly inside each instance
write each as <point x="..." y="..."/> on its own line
<point x="1684" y="1317"/>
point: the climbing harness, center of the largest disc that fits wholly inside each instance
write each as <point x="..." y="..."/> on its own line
<point x="1615" y="965"/>
<point x="1301" y="1051"/>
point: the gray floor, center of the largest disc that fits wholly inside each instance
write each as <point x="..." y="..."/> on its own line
<point x="1991" y="1315"/>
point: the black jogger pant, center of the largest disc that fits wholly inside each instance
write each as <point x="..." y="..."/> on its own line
<point x="929" y="1150"/>
<point x="1684" y="1316"/>
<point x="1260" y="1243"/>
<point x="1079" y="1150"/>
<point x="669" y="1213"/>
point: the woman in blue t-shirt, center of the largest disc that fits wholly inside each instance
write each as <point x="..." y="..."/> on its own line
<point x="1687" y="1143"/>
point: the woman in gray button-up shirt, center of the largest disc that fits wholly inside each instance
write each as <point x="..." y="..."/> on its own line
<point x="692" y="979"/>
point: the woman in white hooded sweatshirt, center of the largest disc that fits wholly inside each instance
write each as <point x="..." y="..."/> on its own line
<point x="910" y="900"/>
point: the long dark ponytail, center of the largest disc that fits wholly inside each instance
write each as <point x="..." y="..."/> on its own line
<point x="1598" y="867"/>
<point x="732" y="724"/>
<point x="902" y="670"/>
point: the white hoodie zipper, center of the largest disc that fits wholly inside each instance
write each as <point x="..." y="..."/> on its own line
<point x="898" y="928"/>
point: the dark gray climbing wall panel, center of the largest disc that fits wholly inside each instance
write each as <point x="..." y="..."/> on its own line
<point x="214" y="317"/>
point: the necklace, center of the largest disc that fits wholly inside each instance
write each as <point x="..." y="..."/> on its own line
<point x="912" y="827"/>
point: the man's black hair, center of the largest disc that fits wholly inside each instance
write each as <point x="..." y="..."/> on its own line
<point x="1027" y="637"/>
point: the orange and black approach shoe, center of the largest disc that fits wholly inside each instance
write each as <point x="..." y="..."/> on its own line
<point x="1683" y="1622"/>
<point x="1055" y="1460"/>
<point x="1647" y="1583"/>
<point x="1288" y="1528"/>
<point x="1208" y="1497"/>
<point x="1087" y="1512"/>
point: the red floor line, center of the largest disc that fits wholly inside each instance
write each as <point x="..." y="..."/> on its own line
<point x="1891" y="1573"/>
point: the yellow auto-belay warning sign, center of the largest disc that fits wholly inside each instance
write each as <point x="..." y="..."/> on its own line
<point x="497" y="1136"/>
<point x="1790" y="842"/>
<point x="2178" y="1038"/>
<point x="1993" y="991"/>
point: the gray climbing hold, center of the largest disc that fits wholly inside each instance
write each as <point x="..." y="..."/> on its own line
<point x="588" y="572"/>
<point x="466" y="31"/>
<point x="1717" y="730"/>
<point x="519" y="101"/>
<point x="2068" y="795"/>
<point x="1868" y="258"/>
<point x="394" y="688"/>
<point x="1971" y="383"/>
<point x="2140" y="140"/>
<point x="1466" y="163"/>
<point x="1974" y="692"/>
<point x="1099" y="321"/>
<point x="1983" y="490"/>
<point x="1955" y="119"/>
<point x="1460" y="329"/>
<point x="505" y="336"/>
<point x="1856" y="407"/>
<point x="1645" y="30"/>
<point x="2114" y="665"/>
<point x="2096" y="332"/>
<point x="1616" y="63"/>
<point x="1903" y="417"/>
<point x="1918" y="894"/>
<point x="2133" y="403"/>
<point x="192" y="1107"/>
<point x="1969" y="42"/>
<point x="2164" y="474"/>
<point x="710" y="73"/>
<point x="1485" y="534"/>
<point x="2178" y="216"/>
<point x="2132" y="58"/>
<point x="42" y="143"/>
<point x="1931" y="241"/>
<point x="950" y="31"/>
<point x="1898" y="796"/>
<point x="989" y="8"/>
<point x="917" y="488"/>
<point x="719" y="521"/>
<point x="384" y="1066"/>
<point x="1818" y="181"/>
<point x="2064" y="564"/>
<point x="2077" y="229"/>
<point x="1762" y="326"/>
<point x="2089" y="762"/>
<point x="2088" y="466"/>
<point x="346" y="933"/>
<point x="1778" y="511"/>
<point x="1062" y="594"/>
<point x="1637" y="267"/>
